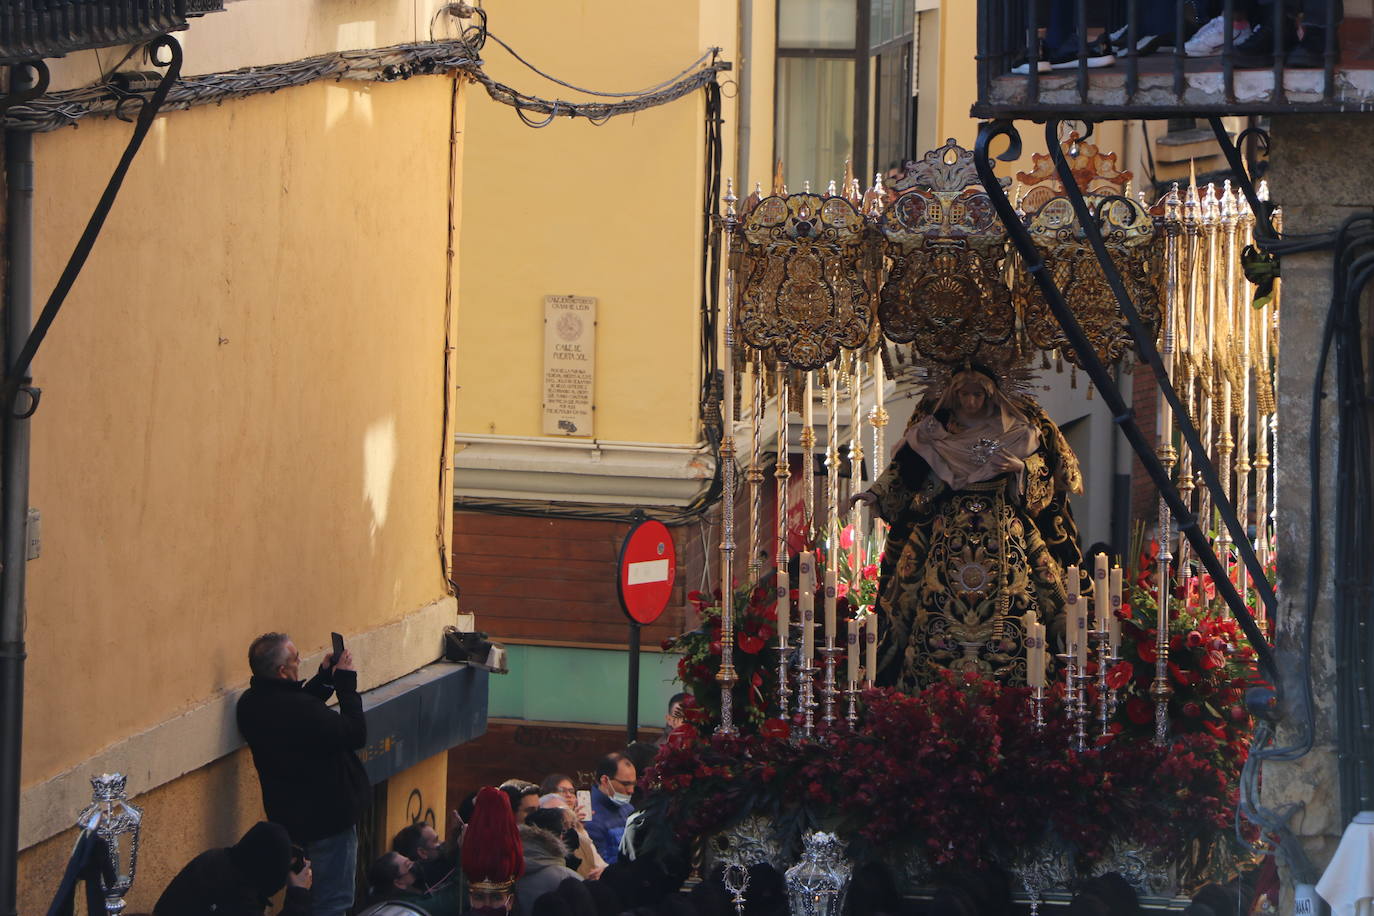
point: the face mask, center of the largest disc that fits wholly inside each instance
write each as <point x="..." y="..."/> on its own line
<point x="620" y="798"/>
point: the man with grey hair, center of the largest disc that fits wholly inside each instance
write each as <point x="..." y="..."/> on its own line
<point x="312" y="781"/>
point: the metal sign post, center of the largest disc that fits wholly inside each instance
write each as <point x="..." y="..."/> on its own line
<point x="648" y="567"/>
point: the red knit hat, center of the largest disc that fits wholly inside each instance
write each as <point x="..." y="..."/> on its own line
<point x="492" y="854"/>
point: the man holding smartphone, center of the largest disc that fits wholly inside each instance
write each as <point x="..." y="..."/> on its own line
<point x="312" y="781"/>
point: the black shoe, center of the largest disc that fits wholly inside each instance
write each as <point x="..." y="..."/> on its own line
<point x="1310" y="53"/>
<point x="1257" y="50"/>
<point x="1145" y="45"/>
<point x="1065" y="57"/>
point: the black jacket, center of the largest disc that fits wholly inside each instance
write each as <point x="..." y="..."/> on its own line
<point x="238" y="880"/>
<point x="312" y="782"/>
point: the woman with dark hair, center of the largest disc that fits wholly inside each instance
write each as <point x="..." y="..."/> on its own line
<point x="981" y="532"/>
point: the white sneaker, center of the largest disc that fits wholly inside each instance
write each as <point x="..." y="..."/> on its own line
<point x="1209" y="39"/>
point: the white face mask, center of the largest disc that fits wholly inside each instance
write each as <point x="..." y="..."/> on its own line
<point x="620" y="798"/>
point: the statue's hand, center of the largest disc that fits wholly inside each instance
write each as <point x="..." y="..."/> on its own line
<point x="868" y="499"/>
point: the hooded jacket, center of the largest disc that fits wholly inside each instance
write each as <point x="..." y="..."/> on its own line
<point x="238" y="880"/>
<point x="544" y="867"/>
<point x="312" y="782"/>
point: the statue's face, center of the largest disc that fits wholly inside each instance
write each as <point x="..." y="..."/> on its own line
<point x="971" y="399"/>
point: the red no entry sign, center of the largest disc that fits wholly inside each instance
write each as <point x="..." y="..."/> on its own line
<point x="648" y="566"/>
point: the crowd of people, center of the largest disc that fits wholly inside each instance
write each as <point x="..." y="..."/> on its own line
<point x="518" y="849"/>
<point x="506" y="847"/>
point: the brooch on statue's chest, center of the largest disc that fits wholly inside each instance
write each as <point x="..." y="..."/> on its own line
<point x="983" y="450"/>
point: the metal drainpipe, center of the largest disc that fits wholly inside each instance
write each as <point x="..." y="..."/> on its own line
<point x="744" y="67"/>
<point x="14" y="502"/>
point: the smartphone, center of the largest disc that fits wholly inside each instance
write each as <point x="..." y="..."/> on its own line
<point x="584" y="804"/>
<point x="297" y="859"/>
<point x="338" y="646"/>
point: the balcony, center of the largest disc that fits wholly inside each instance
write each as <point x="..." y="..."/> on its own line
<point x="1015" y="79"/>
<point x="35" y="29"/>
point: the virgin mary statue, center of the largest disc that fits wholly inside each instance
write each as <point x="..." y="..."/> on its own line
<point x="977" y="499"/>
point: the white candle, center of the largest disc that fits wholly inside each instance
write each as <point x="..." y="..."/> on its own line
<point x="1029" y="622"/>
<point x="806" y="603"/>
<point x="1113" y="618"/>
<point x="1040" y="654"/>
<point x="830" y="632"/>
<point x="852" y="653"/>
<point x="871" y="645"/>
<point x="1077" y="620"/>
<point x="784" y="607"/>
<point x="1101" y="601"/>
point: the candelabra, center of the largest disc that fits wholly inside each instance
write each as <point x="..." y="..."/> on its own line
<point x="727" y="677"/>
<point x="1080" y="711"/>
<point x="784" y="657"/>
<point x="1106" y="657"/>
<point x="828" y="689"/>
<point x="1037" y="701"/>
<point x="806" y="697"/>
<point x="852" y="712"/>
<point x="781" y="473"/>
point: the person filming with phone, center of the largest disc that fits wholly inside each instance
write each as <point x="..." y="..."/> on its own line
<point x="312" y="781"/>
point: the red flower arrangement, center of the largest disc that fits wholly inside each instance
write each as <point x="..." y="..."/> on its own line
<point x="755" y="660"/>
<point x="958" y="769"/>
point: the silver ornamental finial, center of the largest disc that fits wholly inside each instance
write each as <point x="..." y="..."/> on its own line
<point x="118" y="823"/>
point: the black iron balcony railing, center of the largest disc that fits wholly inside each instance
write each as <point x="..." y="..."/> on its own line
<point x="35" y="29"/>
<point x="1017" y="77"/>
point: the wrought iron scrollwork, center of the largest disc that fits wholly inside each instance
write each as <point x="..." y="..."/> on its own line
<point x="1122" y="413"/>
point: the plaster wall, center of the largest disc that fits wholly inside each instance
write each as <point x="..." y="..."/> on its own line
<point x="612" y="212"/>
<point x="243" y="421"/>
<point x="419" y="793"/>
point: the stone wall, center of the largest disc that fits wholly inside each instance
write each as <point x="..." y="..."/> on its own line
<point x="1318" y="179"/>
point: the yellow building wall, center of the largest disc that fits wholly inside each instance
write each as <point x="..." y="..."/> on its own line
<point x="417" y="794"/>
<point x="242" y="425"/>
<point x="612" y="212"/>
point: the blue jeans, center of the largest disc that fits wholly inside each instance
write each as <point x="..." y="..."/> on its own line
<point x="334" y="860"/>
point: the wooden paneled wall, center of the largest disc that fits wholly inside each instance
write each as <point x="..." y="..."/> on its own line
<point x="554" y="580"/>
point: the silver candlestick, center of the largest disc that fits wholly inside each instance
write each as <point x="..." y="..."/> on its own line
<point x="1104" y="661"/>
<point x="806" y="697"/>
<point x="828" y="689"/>
<point x="784" y="689"/>
<point x="852" y="695"/>
<point x="1037" y="701"/>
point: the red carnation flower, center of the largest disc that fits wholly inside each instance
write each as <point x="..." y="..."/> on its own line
<point x="775" y="728"/>
<point x="750" y="644"/>
<point x="1120" y="675"/>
